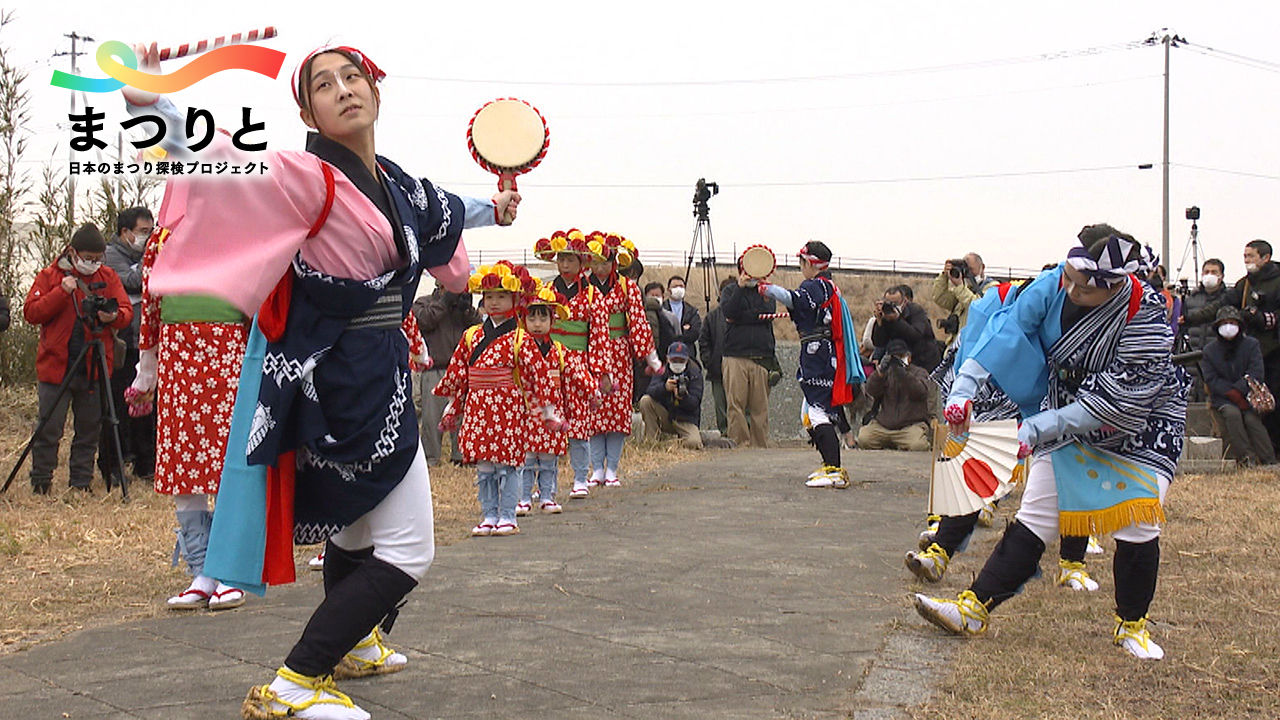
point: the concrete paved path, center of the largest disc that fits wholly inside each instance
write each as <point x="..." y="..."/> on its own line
<point x="717" y="589"/>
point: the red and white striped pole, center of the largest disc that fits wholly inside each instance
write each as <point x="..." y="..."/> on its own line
<point x="205" y="45"/>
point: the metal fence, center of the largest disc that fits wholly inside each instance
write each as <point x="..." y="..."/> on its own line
<point x="680" y="258"/>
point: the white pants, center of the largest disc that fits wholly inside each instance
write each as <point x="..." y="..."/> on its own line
<point x="401" y="528"/>
<point x="1039" y="511"/>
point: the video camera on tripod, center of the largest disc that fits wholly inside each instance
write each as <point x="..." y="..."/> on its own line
<point x="93" y="303"/>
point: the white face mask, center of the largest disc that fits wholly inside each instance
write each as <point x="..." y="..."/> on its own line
<point x="677" y="293"/>
<point x="85" y="267"/>
<point x="1228" y="331"/>
<point x="904" y="359"/>
<point x="1250" y="267"/>
<point x="678" y="367"/>
<point x="1210" y="281"/>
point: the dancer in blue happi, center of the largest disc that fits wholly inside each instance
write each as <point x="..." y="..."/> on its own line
<point x="1086" y="353"/>
<point x="830" y="369"/>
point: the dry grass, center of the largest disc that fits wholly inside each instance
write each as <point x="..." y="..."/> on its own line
<point x="1048" y="654"/>
<point x="70" y="561"/>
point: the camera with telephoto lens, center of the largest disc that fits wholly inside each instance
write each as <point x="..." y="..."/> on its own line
<point x="1193" y="213"/>
<point x="950" y="324"/>
<point x="888" y="308"/>
<point x="960" y="269"/>
<point x="682" y="385"/>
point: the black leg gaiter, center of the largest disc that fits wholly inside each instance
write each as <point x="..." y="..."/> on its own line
<point x="339" y="563"/>
<point x="1073" y="547"/>
<point x="954" y="530"/>
<point x="1013" y="562"/>
<point x="1135" y="566"/>
<point x="828" y="443"/>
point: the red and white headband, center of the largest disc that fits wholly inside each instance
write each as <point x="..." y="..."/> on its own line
<point x="366" y="64"/>
<point x="812" y="259"/>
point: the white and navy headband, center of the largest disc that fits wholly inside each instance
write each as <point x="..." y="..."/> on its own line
<point x="1109" y="270"/>
<point x="366" y="64"/>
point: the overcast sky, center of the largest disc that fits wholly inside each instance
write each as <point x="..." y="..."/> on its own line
<point x="644" y="98"/>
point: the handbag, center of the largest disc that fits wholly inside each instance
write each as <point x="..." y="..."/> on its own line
<point x="1260" y="397"/>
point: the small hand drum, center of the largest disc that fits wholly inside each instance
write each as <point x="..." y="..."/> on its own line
<point x="757" y="262"/>
<point x="508" y="137"/>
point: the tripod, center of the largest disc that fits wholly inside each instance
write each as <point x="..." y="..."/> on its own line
<point x="96" y="352"/>
<point x="702" y="240"/>
<point x="1193" y="249"/>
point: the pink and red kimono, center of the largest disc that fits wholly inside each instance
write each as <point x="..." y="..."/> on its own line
<point x="619" y="334"/>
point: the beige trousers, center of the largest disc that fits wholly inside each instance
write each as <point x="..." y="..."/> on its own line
<point x="875" y="436"/>
<point x="658" y="420"/>
<point x="746" y="389"/>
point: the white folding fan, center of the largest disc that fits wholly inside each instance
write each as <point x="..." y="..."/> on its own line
<point x="975" y="468"/>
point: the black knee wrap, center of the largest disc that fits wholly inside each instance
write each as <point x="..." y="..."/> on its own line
<point x="1073" y="547"/>
<point x="827" y="442"/>
<point x="339" y="563"/>
<point x="1135" y="567"/>
<point x="1014" y="561"/>
<point x="954" y="530"/>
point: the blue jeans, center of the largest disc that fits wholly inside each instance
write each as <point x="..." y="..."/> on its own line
<point x="540" y="467"/>
<point x="497" y="488"/>
<point x="580" y="460"/>
<point x="606" y="451"/>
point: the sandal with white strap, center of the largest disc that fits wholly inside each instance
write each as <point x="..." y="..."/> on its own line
<point x="294" y="695"/>
<point x="360" y="662"/>
<point x="226" y="597"/>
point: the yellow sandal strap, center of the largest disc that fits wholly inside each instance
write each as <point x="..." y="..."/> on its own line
<point x="319" y="685"/>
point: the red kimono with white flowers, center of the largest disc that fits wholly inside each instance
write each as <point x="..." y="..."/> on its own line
<point x="569" y="379"/>
<point x="577" y="406"/>
<point x="615" y="356"/>
<point x="501" y="388"/>
<point x="197" y="373"/>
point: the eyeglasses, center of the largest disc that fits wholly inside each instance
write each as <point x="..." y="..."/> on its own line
<point x="144" y="231"/>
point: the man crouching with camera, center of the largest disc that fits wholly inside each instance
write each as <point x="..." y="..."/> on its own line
<point x="901" y="392"/>
<point x="673" y="403"/>
<point x="74" y="301"/>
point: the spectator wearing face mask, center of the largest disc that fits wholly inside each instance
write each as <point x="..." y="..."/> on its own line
<point x="1257" y="296"/>
<point x="901" y="390"/>
<point x="137" y="434"/>
<point x="673" y="402"/>
<point x="1199" y="310"/>
<point x="687" y="321"/>
<point x="1228" y="358"/>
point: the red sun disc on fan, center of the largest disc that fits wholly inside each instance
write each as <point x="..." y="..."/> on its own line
<point x="979" y="478"/>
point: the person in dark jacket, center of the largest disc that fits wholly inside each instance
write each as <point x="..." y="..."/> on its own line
<point x="748" y="354"/>
<point x="673" y="402"/>
<point x="903" y="389"/>
<point x="711" y="352"/>
<point x="1199" y="310"/>
<point x="1227" y="360"/>
<point x="688" y="323"/>
<point x="1257" y="295"/>
<point x="55" y="303"/>
<point x="4" y="313"/>
<point x="137" y="434"/>
<point x="897" y="317"/>
<point x="442" y="318"/>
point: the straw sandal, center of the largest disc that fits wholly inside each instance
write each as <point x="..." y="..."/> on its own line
<point x="263" y="703"/>
<point x="354" y="666"/>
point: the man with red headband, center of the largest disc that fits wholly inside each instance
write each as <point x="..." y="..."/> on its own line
<point x="829" y="365"/>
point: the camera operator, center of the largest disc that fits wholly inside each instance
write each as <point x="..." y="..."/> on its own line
<point x="74" y="301"/>
<point x="673" y="403"/>
<point x="442" y="319"/>
<point x="898" y="318"/>
<point x="901" y="389"/>
<point x="137" y="435"/>
<point x="961" y="282"/>
<point x="1257" y="294"/>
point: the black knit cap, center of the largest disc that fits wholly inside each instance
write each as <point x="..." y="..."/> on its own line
<point x="87" y="238"/>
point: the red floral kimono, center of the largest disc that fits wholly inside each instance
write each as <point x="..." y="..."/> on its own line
<point x="574" y="333"/>
<point x="619" y="334"/>
<point x="569" y="379"/>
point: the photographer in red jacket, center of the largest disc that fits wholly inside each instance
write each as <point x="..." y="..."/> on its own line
<point x="75" y="284"/>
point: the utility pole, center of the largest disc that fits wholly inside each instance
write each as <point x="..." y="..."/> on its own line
<point x="1169" y="40"/>
<point x="71" y="179"/>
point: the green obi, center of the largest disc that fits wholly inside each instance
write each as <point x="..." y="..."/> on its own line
<point x="198" y="308"/>
<point x="617" y="325"/>
<point x="571" y="333"/>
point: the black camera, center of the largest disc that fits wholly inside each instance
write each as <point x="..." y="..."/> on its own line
<point x="704" y="191"/>
<point x="960" y="269"/>
<point x="888" y="308"/>
<point x="92" y="304"/>
<point x="682" y="385"/>
<point x="950" y="324"/>
<point x="1193" y="213"/>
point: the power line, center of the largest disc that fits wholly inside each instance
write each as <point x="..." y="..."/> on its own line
<point x="974" y="65"/>
<point x="1225" y="171"/>
<point x="817" y="183"/>
<point x="1237" y="57"/>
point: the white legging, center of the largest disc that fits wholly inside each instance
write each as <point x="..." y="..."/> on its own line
<point x="401" y="528"/>
<point x="1039" y="511"/>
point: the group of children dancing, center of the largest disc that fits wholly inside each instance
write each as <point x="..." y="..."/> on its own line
<point x="548" y="372"/>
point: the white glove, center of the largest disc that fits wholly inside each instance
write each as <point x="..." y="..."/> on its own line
<point x="145" y="382"/>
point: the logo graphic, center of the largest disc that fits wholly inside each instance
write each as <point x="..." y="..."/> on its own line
<point x="118" y="61"/>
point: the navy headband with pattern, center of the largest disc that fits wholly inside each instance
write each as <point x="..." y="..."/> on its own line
<point x="1109" y="270"/>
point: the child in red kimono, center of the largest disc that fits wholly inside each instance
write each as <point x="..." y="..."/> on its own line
<point x="570" y="253"/>
<point x="496" y="371"/>
<point x="618" y="332"/>
<point x="569" y="379"/>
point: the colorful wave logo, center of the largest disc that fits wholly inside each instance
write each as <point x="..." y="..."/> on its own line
<point x="119" y="62"/>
